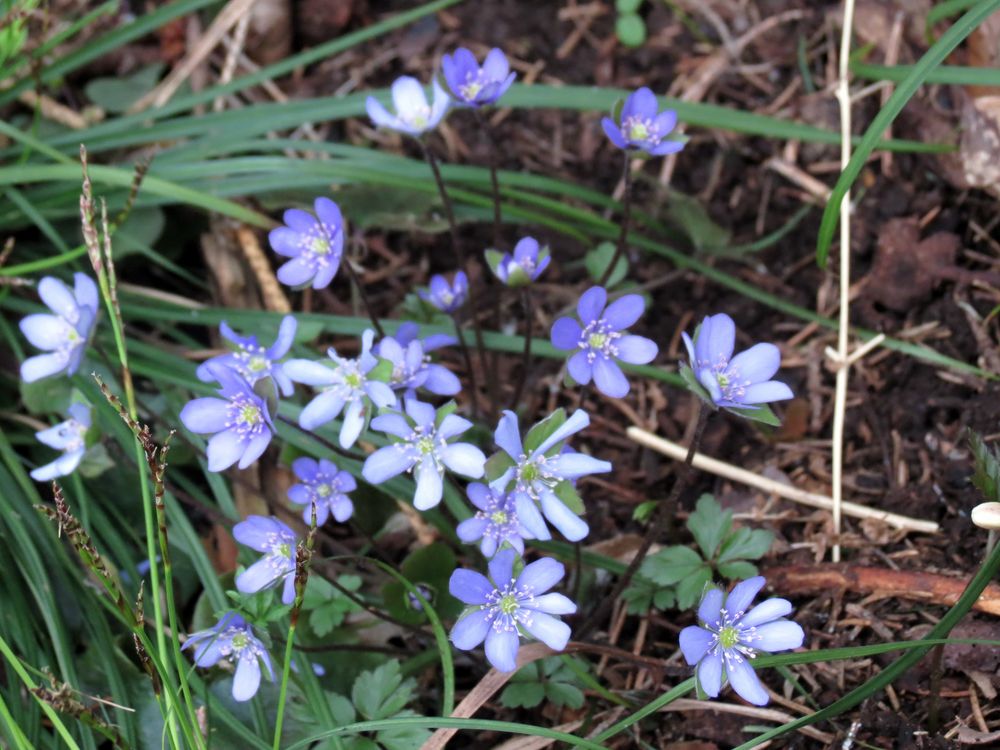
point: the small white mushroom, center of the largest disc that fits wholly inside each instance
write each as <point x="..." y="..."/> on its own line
<point x="987" y="516"/>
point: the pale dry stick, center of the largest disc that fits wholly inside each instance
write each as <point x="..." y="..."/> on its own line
<point x="53" y="110"/>
<point x="233" y="52"/>
<point x="804" y="180"/>
<point x="891" y="58"/>
<point x="274" y="296"/>
<point x="804" y="497"/>
<point x="754" y="712"/>
<point x="223" y="22"/>
<point x="844" y="316"/>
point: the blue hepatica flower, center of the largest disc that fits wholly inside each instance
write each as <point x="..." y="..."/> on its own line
<point x="315" y="244"/>
<point x="601" y="339"/>
<point x="446" y="297"/>
<point x="412" y="368"/>
<point x="277" y="542"/>
<point x="423" y="447"/>
<point x="475" y="86"/>
<point x="495" y="522"/>
<point x="346" y="384"/>
<point x="321" y="482"/>
<point x="642" y="127"/>
<point x="740" y="381"/>
<point x="233" y="639"/>
<point x="68" y="437"/>
<point x="413" y="114"/>
<point x="63" y="334"/>
<point x="522" y="267"/>
<point x="253" y="361"/>
<point x="504" y="608"/>
<point x="535" y="477"/>
<point x="729" y="637"/>
<point x="239" y="422"/>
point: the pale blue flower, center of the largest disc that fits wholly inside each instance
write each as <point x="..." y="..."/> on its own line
<point x="63" y="334"/>
<point x="447" y="298"/>
<point x="642" y="127"/>
<point x="253" y="361"/>
<point x="322" y="483"/>
<point x="423" y="447"/>
<point x="413" y="114"/>
<point x="233" y="639"/>
<point x="68" y="437"/>
<point x="412" y="368"/>
<point x="277" y="541"/>
<point x="346" y="384"/>
<point x="729" y="638"/>
<point x="495" y="522"/>
<point x="315" y="244"/>
<point x="475" y="86"/>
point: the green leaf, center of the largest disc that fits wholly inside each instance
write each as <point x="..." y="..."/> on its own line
<point x="564" y="694"/>
<point x="381" y="693"/>
<point x="341" y="708"/>
<point x="986" y="477"/>
<point x="403" y="738"/>
<point x="497" y="464"/>
<point x="630" y="29"/>
<point x="746" y="544"/>
<point x="664" y="599"/>
<point x="670" y="565"/>
<point x="709" y="525"/>
<point x="566" y="492"/>
<point x="493" y="258"/>
<point x="140" y="231"/>
<point x="644" y="510"/>
<point x="738" y="570"/>
<point x="522" y="694"/>
<point x="694" y="385"/>
<point x="627" y="6"/>
<point x="541" y="431"/>
<point x="46" y="396"/>
<point x="686" y="212"/>
<point x="597" y="261"/>
<point x="116" y="94"/>
<point x="691" y="588"/>
<point x="95" y="462"/>
<point x="762" y="414"/>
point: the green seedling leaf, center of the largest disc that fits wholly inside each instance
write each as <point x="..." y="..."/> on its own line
<point x="566" y="492"/>
<point x="692" y="586"/>
<point x="709" y="525"/>
<point x="116" y="94"/>
<point x="670" y="565"/>
<point x="762" y="414"/>
<point x="687" y="213"/>
<point x="746" y="544"/>
<point x="597" y="261"/>
<point x="630" y="29"/>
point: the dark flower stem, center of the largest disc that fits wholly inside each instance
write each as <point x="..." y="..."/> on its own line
<point x="657" y="527"/>
<point x="484" y="127"/>
<point x="460" y="260"/>
<point x="473" y="388"/>
<point x="529" y="315"/>
<point x="626" y="218"/>
<point x="364" y="297"/>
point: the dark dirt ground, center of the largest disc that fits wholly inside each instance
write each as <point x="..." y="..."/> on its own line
<point x="906" y="420"/>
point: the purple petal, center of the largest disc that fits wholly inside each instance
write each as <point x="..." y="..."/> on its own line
<point x="379" y="114"/>
<point x="709" y="674"/>
<point x="495" y="66"/>
<point x="429" y="485"/>
<point x="308" y="372"/>
<point x="285" y="241"/>
<point x="453" y="425"/>
<point x="384" y="464"/>
<point x="501" y="649"/>
<point x="609" y="378"/>
<point x="577" y="421"/>
<point x="42" y="366"/>
<point x="354" y="422"/>
<point x="689" y="345"/>
<point x="288" y="590"/>
<point x="636" y="350"/>
<point x="58" y="297"/>
<point x="442" y="381"/>
<point x="305" y="468"/>
<point x="392" y="424"/>
<point x="550" y="630"/>
<point x="296" y="272"/>
<point x="665" y="122"/>
<point x="569" y="524"/>
<point x="472" y="529"/>
<point x="530" y="517"/>
<point x="380" y="393"/>
<point x="254" y="448"/>
<point x="743" y="593"/>
<point x="710" y="608"/>
<point x="591" y="304"/>
<point x="258" y="576"/>
<point x="286" y="335"/>
<point x="717" y="339"/>
<point x="299" y="220"/>
<point x="328" y="213"/>
<point x="613" y="132"/>
<point x="757" y="364"/>
<point x="554" y="604"/>
<point x="580" y="367"/>
<point x="745" y="682"/>
<point x="45" y="331"/>
<point x="502" y="568"/>
<point x="423" y="414"/>
<point x="575" y="465"/>
<point x="209" y="651"/>
<point x="540" y="575"/>
<point x="469" y="587"/>
<point x="695" y="643"/>
<point x="471" y="630"/>
<point x="643" y="103"/>
<point x="465" y="459"/>
<point x="508" y="435"/>
<point x="565" y="333"/>
<point x="224" y="449"/>
<point x="259" y="532"/>
<point x="765" y="612"/>
<point x="85" y="291"/>
<point x="667" y="147"/>
<point x="778" y="636"/>
<point x="320" y="410"/>
<point x="624" y="311"/>
<point x="764" y="393"/>
<point x="408" y="95"/>
<point x="246" y="681"/>
<point x="479" y="495"/>
<point x="205" y="415"/>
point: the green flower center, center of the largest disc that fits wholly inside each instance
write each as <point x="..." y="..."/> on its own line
<point x="250" y="414"/>
<point x="529" y="473"/>
<point x="470" y="90"/>
<point x="723" y="380"/>
<point x="284" y="550"/>
<point x="597" y="340"/>
<point x="319" y="246"/>
<point x="240" y="641"/>
<point x="323" y="490"/>
<point x="729" y="637"/>
<point x="72" y="336"/>
<point x="508" y="605"/>
<point x="499" y="517"/>
<point x="257" y="364"/>
<point x="353" y="380"/>
<point x="638" y="131"/>
<point x="425" y="445"/>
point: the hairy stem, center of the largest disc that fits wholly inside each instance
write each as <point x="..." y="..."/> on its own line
<point x="626" y="219"/>
<point x="656" y="526"/>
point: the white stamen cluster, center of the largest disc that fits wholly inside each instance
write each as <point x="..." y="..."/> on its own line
<point x="317" y="244"/>
<point x="510" y="606"/>
<point x="733" y="639"/>
<point x="245" y="416"/>
<point x="252" y="361"/>
<point x="641" y="129"/>
<point x="423" y="441"/>
<point x="597" y="339"/>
